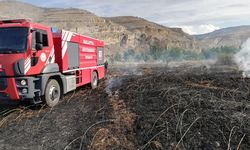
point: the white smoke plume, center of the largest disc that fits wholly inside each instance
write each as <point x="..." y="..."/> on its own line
<point x="242" y="58"/>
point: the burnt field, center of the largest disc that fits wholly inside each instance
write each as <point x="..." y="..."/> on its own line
<point x="143" y="107"/>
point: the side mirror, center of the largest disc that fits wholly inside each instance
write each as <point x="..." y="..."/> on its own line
<point x="39" y="46"/>
<point x="39" y="37"/>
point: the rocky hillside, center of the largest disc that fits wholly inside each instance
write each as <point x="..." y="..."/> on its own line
<point x="233" y="36"/>
<point x="147" y="33"/>
<point x="119" y="33"/>
<point x="70" y="19"/>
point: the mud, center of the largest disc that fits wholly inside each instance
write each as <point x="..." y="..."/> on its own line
<point x="146" y="107"/>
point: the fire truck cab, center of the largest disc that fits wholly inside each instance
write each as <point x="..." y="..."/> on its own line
<point x="40" y="64"/>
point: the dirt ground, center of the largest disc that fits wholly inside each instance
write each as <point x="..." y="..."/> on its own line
<point x="139" y="107"/>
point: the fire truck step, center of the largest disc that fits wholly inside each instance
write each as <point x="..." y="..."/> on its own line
<point x="37" y="99"/>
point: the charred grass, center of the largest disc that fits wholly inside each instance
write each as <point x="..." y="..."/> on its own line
<point x="152" y="107"/>
<point x="194" y="109"/>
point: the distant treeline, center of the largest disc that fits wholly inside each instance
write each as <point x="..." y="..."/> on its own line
<point x="173" y="54"/>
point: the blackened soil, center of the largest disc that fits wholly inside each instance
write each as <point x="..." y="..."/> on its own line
<point x="140" y="108"/>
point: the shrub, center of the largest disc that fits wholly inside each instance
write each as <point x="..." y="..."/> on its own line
<point x="223" y="54"/>
<point x="225" y="59"/>
<point x="118" y="57"/>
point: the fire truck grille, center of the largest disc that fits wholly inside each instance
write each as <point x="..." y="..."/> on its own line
<point x="3" y="81"/>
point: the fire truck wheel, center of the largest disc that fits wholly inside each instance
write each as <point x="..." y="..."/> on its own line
<point x="52" y="93"/>
<point x="94" y="80"/>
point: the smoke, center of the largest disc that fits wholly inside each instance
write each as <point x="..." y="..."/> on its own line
<point x="242" y="59"/>
<point x="111" y="84"/>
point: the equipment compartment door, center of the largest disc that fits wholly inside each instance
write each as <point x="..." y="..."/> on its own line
<point x="73" y="55"/>
<point x="100" y="55"/>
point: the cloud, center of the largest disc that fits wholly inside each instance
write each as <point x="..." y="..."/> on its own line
<point x="222" y="13"/>
<point x="201" y="29"/>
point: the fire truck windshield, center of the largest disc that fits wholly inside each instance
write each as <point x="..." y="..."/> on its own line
<point x="13" y="39"/>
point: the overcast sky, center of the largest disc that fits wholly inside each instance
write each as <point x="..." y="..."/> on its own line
<point x="194" y="16"/>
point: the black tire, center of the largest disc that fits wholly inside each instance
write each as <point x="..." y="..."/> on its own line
<point x="94" y="80"/>
<point x="52" y="93"/>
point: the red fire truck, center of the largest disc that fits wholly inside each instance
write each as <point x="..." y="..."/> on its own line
<point x="40" y="64"/>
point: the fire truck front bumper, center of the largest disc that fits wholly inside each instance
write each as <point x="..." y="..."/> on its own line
<point x="16" y="89"/>
<point x="8" y="89"/>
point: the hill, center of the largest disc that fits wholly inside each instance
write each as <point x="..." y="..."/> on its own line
<point x="233" y="36"/>
<point x="114" y="31"/>
<point x="153" y="34"/>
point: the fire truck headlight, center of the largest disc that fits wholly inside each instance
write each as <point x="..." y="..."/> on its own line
<point x="24" y="91"/>
<point x="23" y="82"/>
